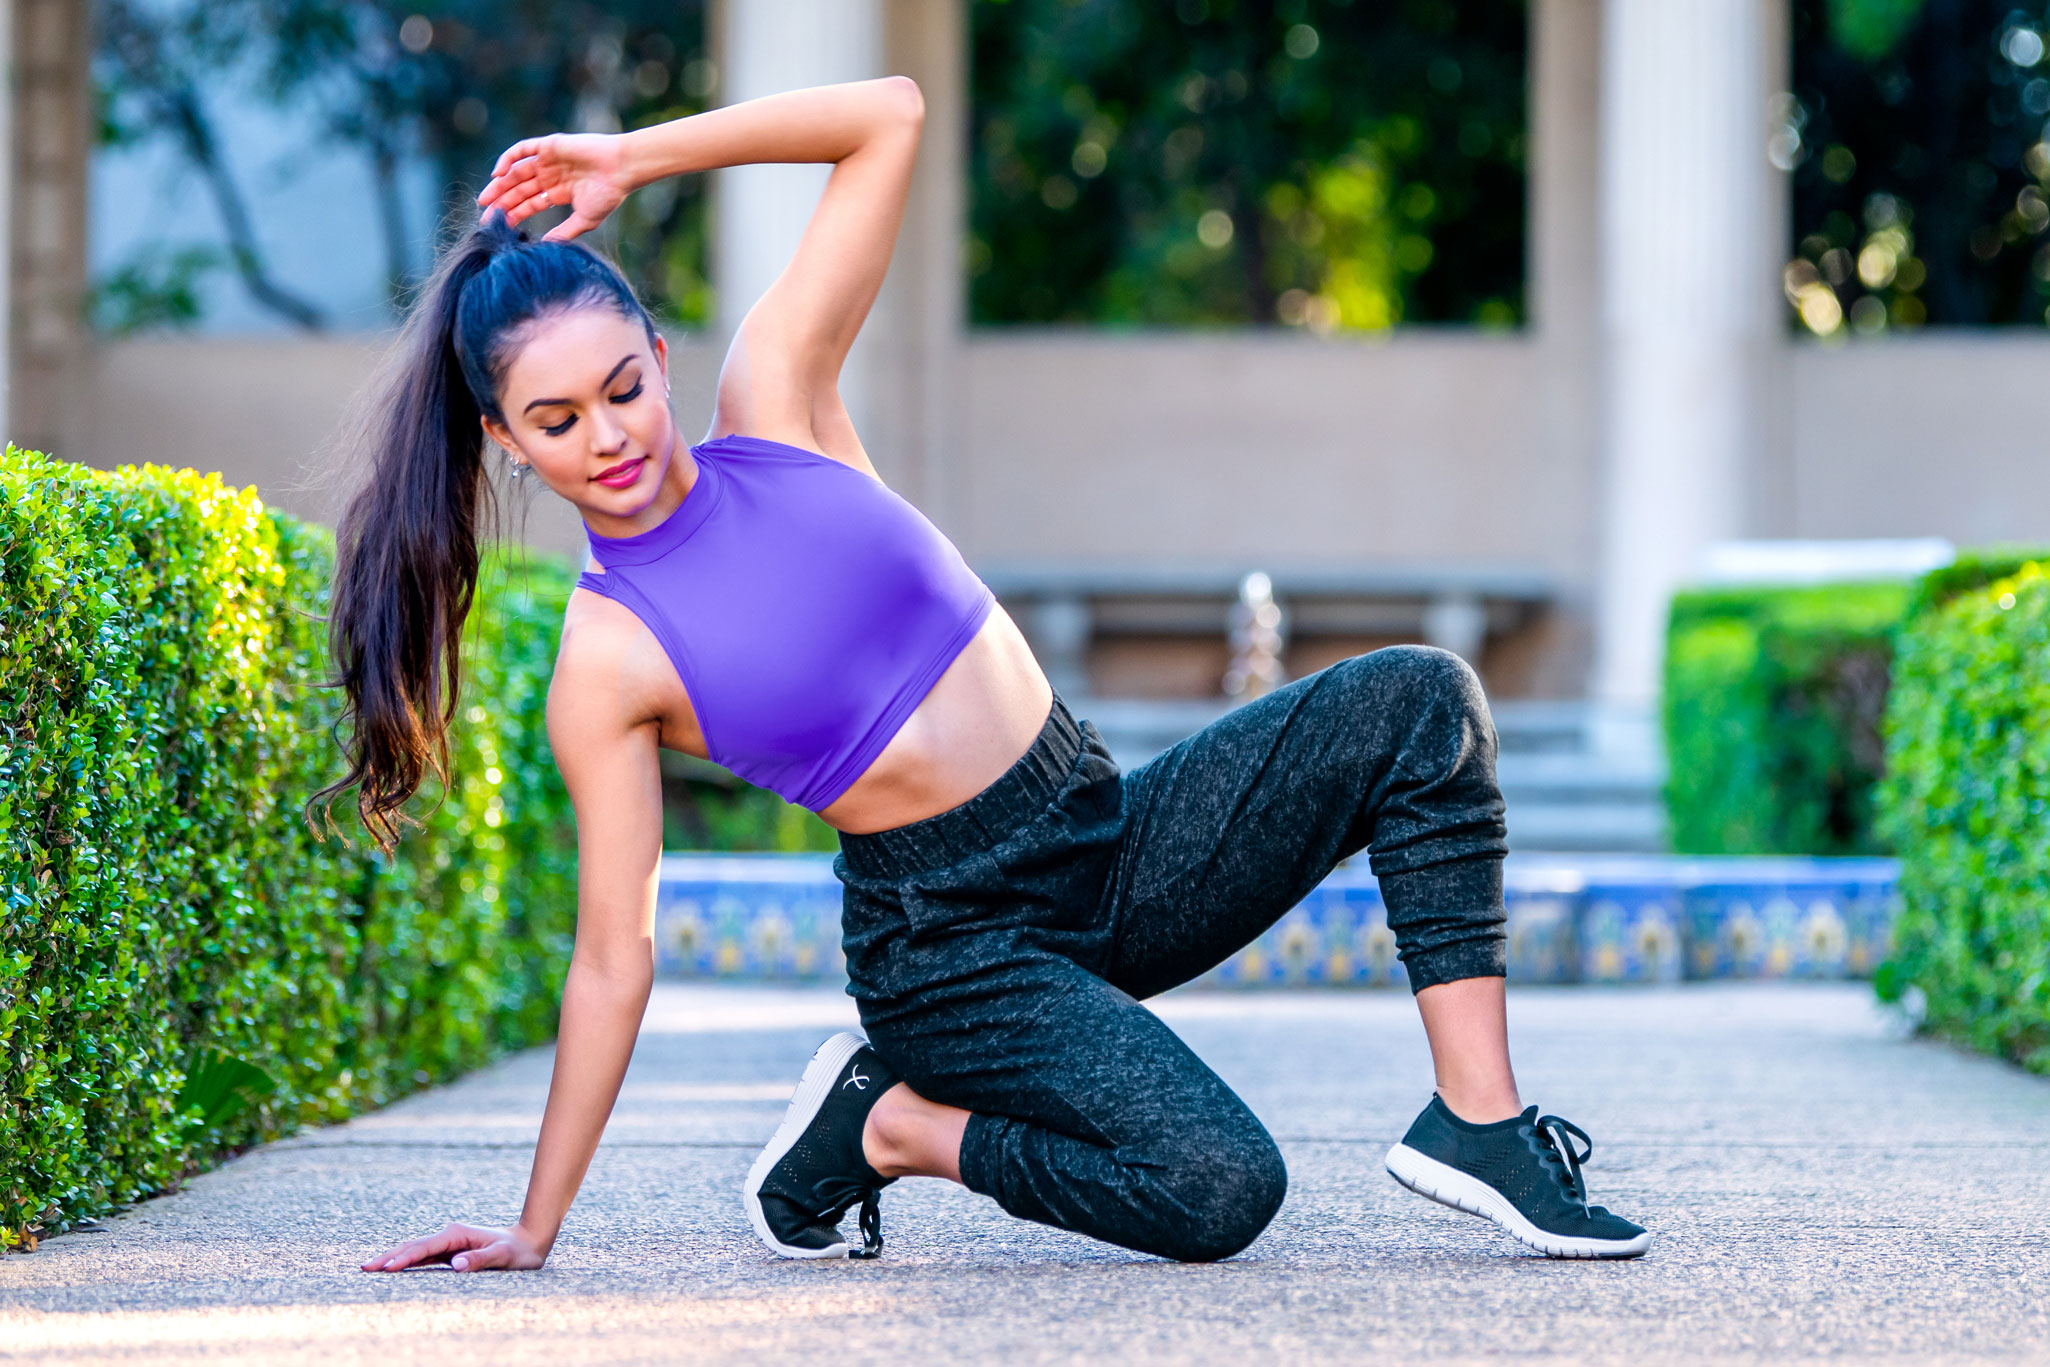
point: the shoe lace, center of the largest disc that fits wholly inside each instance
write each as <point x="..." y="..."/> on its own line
<point x="871" y="1225"/>
<point x="1556" y="1136"/>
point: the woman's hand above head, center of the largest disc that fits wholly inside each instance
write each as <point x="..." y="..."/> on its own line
<point x="586" y="171"/>
<point x="467" y="1248"/>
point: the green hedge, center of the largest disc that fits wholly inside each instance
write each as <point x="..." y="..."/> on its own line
<point x="1972" y="569"/>
<point x="167" y="911"/>
<point x="1774" y="699"/>
<point x="1967" y="803"/>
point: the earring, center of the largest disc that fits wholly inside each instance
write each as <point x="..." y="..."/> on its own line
<point x="519" y="468"/>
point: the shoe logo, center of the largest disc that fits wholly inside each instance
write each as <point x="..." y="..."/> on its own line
<point x="859" y="1082"/>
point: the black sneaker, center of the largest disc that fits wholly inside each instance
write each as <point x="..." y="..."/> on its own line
<point x="1522" y="1173"/>
<point x="801" y="1186"/>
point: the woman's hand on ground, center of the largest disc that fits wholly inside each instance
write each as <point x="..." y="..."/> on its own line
<point x="586" y="171"/>
<point x="466" y="1248"/>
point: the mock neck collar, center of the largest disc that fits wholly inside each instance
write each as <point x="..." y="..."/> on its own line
<point x="673" y="530"/>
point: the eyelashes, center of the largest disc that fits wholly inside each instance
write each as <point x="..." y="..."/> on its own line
<point x="628" y="397"/>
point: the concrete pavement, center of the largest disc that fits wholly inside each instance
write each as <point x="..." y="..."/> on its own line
<point x="1821" y="1188"/>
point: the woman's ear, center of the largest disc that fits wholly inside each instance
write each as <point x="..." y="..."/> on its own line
<point x="662" y="360"/>
<point x="501" y="434"/>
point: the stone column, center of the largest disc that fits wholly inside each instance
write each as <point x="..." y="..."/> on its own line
<point x="1688" y="308"/>
<point x="1564" y="311"/>
<point x="918" y="329"/>
<point x="768" y="46"/>
<point x="51" y="141"/>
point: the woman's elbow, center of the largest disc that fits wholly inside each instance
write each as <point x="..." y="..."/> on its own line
<point x="626" y="974"/>
<point x="906" y="102"/>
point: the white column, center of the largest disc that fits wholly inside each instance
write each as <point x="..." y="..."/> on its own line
<point x="1688" y="307"/>
<point x="768" y="46"/>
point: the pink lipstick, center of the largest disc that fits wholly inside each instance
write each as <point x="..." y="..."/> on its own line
<point x="622" y="475"/>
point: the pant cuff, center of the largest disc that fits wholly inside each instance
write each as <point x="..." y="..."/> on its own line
<point x="1449" y="920"/>
<point x="1450" y="963"/>
<point x="981" y="1146"/>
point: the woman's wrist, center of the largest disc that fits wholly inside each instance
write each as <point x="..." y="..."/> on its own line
<point x="539" y="1239"/>
<point x="649" y="154"/>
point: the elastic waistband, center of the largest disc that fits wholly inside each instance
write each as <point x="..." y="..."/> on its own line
<point x="984" y="820"/>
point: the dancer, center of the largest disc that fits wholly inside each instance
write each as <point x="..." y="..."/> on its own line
<point x="764" y="600"/>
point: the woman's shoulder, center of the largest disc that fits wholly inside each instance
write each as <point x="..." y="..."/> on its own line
<point x="611" y="673"/>
<point x="599" y="640"/>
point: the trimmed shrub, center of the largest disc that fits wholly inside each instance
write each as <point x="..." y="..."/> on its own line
<point x="1972" y="569"/>
<point x="184" y="968"/>
<point x="1967" y="802"/>
<point x="1774" y="700"/>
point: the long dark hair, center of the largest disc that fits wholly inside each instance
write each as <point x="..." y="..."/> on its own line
<point x="406" y="551"/>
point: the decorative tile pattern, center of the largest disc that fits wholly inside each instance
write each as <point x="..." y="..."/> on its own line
<point x="1572" y="919"/>
<point x="771" y="917"/>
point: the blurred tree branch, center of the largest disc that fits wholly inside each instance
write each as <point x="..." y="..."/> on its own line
<point x="453" y="82"/>
<point x="154" y="63"/>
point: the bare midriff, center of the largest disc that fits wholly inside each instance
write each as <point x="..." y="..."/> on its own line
<point x="978" y="720"/>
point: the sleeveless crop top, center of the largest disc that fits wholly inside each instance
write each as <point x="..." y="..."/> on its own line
<point x="808" y="609"/>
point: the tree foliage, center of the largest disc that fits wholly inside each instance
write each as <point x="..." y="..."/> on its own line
<point x="1917" y="139"/>
<point x="1328" y="163"/>
<point x="455" y="82"/>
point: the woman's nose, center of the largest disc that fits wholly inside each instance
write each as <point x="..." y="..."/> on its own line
<point x="607" y="436"/>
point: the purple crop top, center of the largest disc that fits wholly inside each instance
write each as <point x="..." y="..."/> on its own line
<point x="807" y="608"/>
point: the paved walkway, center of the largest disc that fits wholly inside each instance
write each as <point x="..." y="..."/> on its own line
<point x="1821" y="1189"/>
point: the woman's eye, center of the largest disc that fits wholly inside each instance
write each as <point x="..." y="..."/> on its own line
<point x="561" y="427"/>
<point x="630" y="394"/>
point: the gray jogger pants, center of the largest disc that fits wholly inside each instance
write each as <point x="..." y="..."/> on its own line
<point x="999" y="950"/>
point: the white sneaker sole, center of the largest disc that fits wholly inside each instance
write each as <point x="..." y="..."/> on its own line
<point x="811" y="1093"/>
<point x="1447" y="1185"/>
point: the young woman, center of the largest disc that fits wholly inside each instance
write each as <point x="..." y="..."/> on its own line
<point x="762" y="599"/>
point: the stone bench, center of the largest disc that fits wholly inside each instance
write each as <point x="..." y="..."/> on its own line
<point x="1062" y="605"/>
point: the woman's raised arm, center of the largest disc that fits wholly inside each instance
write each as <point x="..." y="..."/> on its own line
<point x="780" y="380"/>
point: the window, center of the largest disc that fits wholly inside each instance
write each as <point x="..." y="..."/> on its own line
<point x="289" y="164"/>
<point x="1333" y="165"/>
<point x="1917" y="139"/>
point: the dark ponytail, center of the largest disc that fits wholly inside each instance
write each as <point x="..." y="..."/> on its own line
<point x="406" y="550"/>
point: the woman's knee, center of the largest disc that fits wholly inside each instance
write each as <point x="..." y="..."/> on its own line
<point x="1418" y="679"/>
<point x="1224" y="1198"/>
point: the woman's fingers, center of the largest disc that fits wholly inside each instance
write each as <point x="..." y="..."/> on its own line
<point x="497" y="1254"/>
<point x="522" y="181"/>
<point x="466" y="1248"/>
<point x="578" y="222"/>
<point x="522" y="204"/>
<point x="432" y="1248"/>
<point x="405" y="1255"/>
<point x="419" y="1251"/>
<point x="534" y="198"/>
<point x="525" y="147"/>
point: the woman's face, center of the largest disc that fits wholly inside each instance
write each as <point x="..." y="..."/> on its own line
<point x="586" y="404"/>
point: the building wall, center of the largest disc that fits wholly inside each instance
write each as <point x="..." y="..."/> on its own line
<point x="1938" y="434"/>
<point x="1428" y="446"/>
<point x="277" y="413"/>
<point x="1243" y="446"/>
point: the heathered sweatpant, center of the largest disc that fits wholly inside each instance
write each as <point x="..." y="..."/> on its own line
<point x="998" y="951"/>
